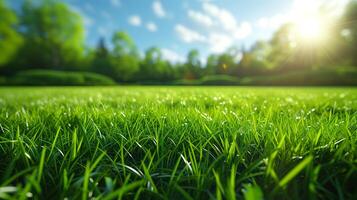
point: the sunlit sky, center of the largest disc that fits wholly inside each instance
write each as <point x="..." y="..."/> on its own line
<point x="176" y="26"/>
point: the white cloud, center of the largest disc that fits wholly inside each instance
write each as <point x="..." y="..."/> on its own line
<point x="102" y="31"/>
<point x="200" y="18"/>
<point x="88" y="21"/>
<point x="219" y="42"/>
<point x="135" y="20"/>
<point x="221" y="25"/>
<point x="227" y="21"/>
<point x="338" y="5"/>
<point x="224" y="17"/>
<point x="243" y="30"/>
<point x="299" y="9"/>
<point x="187" y="35"/>
<point x="115" y="3"/>
<point x="171" y="55"/>
<point x="333" y="7"/>
<point x="151" y="26"/>
<point x="158" y="9"/>
<point x="263" y="22"/>
<point x="272" y="22"/>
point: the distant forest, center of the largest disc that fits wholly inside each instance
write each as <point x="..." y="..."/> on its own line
<point x="49" y="35"/>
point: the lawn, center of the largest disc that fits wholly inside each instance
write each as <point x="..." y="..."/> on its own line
<point x="178" y="143"/>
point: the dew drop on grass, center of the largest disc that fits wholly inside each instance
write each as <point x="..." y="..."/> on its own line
<point x="8" y="189"/>
<point x="123" y="114"/>
<point x="27" y="155"/>
<point x="289" y="99"/>
<point x="297" y="157"/>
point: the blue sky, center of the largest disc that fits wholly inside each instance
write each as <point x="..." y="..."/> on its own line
<point x="176" y="26"/>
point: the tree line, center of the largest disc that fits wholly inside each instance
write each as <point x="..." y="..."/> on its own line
<point x="50" y="35"/>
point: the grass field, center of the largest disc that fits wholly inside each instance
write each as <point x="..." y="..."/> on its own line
<point x="178" y="143"/>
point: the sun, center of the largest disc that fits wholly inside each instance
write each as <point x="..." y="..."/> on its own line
<point x="310" y="29"/>
<point x="309" y="24"/>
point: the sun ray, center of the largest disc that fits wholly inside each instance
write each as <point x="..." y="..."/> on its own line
<point x="310" y="24"/>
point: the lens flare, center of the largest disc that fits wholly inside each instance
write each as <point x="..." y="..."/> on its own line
<point x="310" y="24"/>
<point x="311" y="30"/>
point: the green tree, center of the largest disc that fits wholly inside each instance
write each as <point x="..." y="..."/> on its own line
<point x="101" y="61"/>
<point x="211" y="64"/>
<point x="54" y="35"/>
<point x="349" y="31"/>
<point x="282" y="46"/>
<point x="10" y="39"/>
<point x="255" y="61"/>
<point x="288" y="51"/>
<point x="228" y="62"/>
<point x="125" y="57"/>
<point x="123" y="44"/>
<point x="260" y="52"/>
<point x="193" y="68"/>
<point x="154" y="67"/>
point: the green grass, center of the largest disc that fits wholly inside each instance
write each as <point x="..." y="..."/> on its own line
<point x="178" y="143"/>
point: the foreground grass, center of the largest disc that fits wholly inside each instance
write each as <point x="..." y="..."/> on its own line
<point x="178" y="143"/>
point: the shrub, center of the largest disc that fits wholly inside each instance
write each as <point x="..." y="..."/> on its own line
<point x="2" y="80"/>
<point x="210" y="80"/>
<point x="97" y="79"/>
<point x="185" y="82"/>
<point x="219" y="80"/>
<point x="323" y="77"/>
<point x="60" y="78"/>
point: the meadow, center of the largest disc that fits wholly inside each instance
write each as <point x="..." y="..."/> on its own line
<point x="178" y="143"/>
